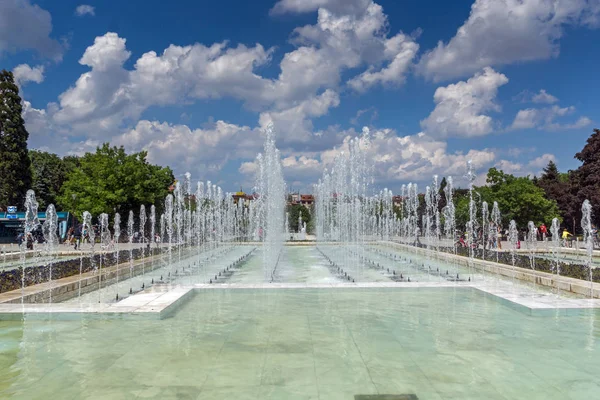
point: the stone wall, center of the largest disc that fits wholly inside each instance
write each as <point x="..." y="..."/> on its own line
<point x="577" y="271"/>
<point x="12" y="279"/>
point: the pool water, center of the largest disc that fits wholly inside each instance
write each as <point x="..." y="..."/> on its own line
<point x="435" y="343"/>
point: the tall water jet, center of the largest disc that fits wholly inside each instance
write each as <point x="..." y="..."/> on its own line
<point x="471" y="224"/>
<point x="497" y="220"/>
<point x="130" y="233"/>
<point x="30" y="225"/>
<point x="152" y="233"/>
<point x="588" y="240"/>
<point x="555" y="231"/>
<point x="168" y="225"/>
<point x="449" y="213"/>
<point x="531" y="241"/>
<point x="49" y="231"/>
<point x="88" y="230"/>
<point x="513" y="239"/>
<point x="142" y="236"/>
<point x="271" y="191"/>
<point x="116" y="236"/>
<point x="485" y="234"/>
<point x="105" y="241"/>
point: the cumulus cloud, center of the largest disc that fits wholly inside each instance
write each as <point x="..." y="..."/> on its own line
<point x="23" y="73"/>
<point x="85" y="9"/>
<point x="505" y="32"/>
<point x="401" y="50"/>
<point x="460" y="107"/>
<point x="294" y="125"/>
<point x="544" y="98"/>
<point x="26" y="26"/>
<point x="303" y="6"/>
<point x="109" y="94"/>
<point x="545" y="119"/>
<point x="532" y="167"/>
<point x="183" y="148"/>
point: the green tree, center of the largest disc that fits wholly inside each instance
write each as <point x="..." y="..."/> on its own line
<point x="559" y="187"/>
<point x="111" y="180"/>
<point x="48" y="172"/>
<point x="587" y="176"/>
<point x="15" y="174"/>
<point x="518" y="198"/>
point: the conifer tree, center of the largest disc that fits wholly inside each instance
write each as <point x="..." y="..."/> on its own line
<point x="15" y="172"/>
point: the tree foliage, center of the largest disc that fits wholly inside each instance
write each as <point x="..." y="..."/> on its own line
<point x="587" y="177"/>
<point x="111" y="180"/>
<point x="518" y="198"/>
<point x="559" y="187"/>
<point x="15" y="174"/>
<point x="49" y="172"/>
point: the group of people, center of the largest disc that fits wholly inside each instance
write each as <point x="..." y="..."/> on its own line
<point x="494" y="241"/>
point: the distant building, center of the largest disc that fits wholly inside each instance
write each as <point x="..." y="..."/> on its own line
<point x="397" y="200"/>
<point x="307" y="200"/>
<point x="245" y="198"/>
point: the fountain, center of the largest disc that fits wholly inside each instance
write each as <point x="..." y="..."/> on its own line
<point x="105" y="242"/>
<point x="49" y="231"/>
<point x="513" y="239"/>
<point x="271" y="205"/>
<point x="555" y="231"/>
<point x="530" y="241"/>
<point x="497" y="228"/>
<point x="588" y="240"/>
<point x="116" y="237"/>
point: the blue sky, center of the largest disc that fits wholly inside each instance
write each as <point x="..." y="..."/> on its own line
<point x="506" y="83"/>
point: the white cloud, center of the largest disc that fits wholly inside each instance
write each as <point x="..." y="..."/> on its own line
<point x="107" y="52"/>
<point x="505" y="32"/>
<point x="544" y="98"/>
<point x="85" y="9"/>
<point x="459" y="107"/>
<point x="294" y="125"/>
<point x="26" y="26"/>
<point x="532" y="167"/>
<point x="23" y="73"/>
<point x="108" y="94"/>
<point x="544" y="119"/>
<point x="303" y="6"/>
<point x="183" y="148"/>
<point x="401" y="50"/>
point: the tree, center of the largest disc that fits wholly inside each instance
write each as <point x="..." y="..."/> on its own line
<point x="587" y="176"/>
<point x="15" y="174"/>
<point x="48" y="172"/>
<point x="518" y="198"/>
<point x="110" y="180"/>
<point x="559" y="187"/>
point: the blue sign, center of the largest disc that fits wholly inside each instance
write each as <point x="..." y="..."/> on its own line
<point x="11" y="209"/>
<point x="11" y="216"/>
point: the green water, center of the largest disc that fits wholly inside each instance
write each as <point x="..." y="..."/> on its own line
<point x="308" y="344"/>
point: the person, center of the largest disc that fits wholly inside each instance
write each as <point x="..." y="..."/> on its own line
<point x="565" y="236"/>
<point x="77" y="236"/>
<point x="499" y="238"/>
<point x="543" y="231"/>
<point x="29" y="241"/>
